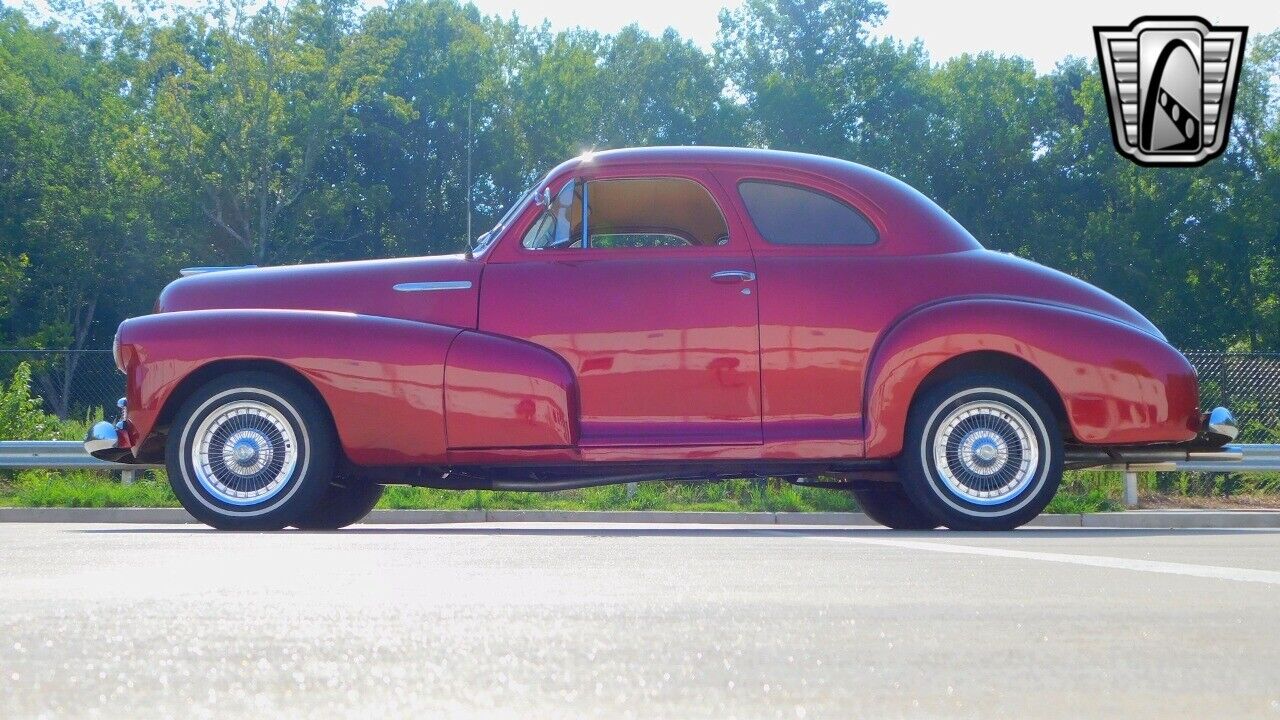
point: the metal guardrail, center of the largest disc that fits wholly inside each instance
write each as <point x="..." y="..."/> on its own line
<point x="54" y="455"/>
<point x="70" y="455"/>
<point x="1256" y="458"/>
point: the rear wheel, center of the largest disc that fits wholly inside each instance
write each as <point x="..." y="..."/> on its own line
<point x="250" y="451"/>
<point x="981" y="452"/>
<point x="347" y="500"/>
<point x="887" y="504"/>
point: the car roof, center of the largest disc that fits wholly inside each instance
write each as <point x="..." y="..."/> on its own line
<point x="713" y="155"/>
<point x="920" y="225"/>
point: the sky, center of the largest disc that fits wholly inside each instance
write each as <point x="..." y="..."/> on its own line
<point x="1046" y="32"/>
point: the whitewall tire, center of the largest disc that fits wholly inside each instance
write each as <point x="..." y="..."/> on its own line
<point x="250" y="451"/>
<point x="981" y="452"/>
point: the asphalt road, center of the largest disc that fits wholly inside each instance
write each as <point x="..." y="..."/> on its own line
<point x="555" y="621"/>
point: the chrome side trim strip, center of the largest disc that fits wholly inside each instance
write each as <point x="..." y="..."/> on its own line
<point x="429" y="286"/>
<point x="188" y="272"/>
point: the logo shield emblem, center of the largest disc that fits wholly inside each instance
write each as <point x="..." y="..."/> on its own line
<point x="1170" y="83"/>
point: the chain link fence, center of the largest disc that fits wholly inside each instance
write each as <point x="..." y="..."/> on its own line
<point x="1249" y="384"/>
<point x="77" y="384"/>
<point x="74" y="384"/>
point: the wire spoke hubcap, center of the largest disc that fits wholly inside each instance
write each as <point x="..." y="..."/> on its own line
<point x="244" y="453"/>
<point x="985" y="452"/>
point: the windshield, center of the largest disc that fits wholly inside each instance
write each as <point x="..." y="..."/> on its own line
<point x="485" y="240"/>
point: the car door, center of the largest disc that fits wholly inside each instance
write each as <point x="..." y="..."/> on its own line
<point x="647" y="290"/>
<point x="823" y="300"/>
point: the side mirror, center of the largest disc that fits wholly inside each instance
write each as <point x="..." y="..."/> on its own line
<point x="543" y="199"/>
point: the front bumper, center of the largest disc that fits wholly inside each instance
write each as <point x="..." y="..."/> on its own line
<point x="111" y="441"/>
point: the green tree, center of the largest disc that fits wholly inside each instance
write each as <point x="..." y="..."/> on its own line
<point x="71" y="216"/>
<point x="410" y="160"/>
<point x="21" y="417"/>
<point x="795" y="62"/>
<point x="135" y="140"/>
<point x="245" y="107"/>
<point x="662" y="91"/>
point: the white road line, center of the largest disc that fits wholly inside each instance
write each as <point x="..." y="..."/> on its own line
<point x="1268" y="577"/>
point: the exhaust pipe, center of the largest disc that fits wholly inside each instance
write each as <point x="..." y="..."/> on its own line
<point x="1147" y="458"/>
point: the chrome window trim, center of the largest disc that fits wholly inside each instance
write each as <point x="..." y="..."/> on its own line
<point x="586" y="217"/>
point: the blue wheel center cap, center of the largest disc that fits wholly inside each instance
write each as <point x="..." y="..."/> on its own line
<point x="245" y="452"/>
<point x="985" y="450"/>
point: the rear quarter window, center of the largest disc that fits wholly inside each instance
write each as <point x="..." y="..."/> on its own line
<point x="792" y="215"/>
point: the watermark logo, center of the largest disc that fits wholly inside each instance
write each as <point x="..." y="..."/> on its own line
<point x="1170" y="84"/>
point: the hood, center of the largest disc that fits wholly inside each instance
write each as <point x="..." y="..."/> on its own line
<point x="366" y="287"/>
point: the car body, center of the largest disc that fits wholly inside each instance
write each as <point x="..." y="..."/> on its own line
<point x="686" y="313"/>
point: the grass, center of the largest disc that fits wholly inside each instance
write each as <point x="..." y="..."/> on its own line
<point x="50" y="488"/>
<point x="1103" y="491"/>
<point x="44" y="488"/>
<point x="1083" y="492"/>
<point x="1080" y="492"/>
<point x="728" y="496"/>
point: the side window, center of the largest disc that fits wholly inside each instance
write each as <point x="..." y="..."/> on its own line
<point x="653" y="213"/>
<point x="630" y="213"/>
<point x="791" y="215"/>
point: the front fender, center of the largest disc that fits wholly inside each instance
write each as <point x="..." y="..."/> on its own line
<point x="1117" y="384"/>
<point x="505" y="392"/>
<point x="382" y="378"/>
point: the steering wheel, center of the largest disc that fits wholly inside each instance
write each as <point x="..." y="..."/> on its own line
<point x="562" y="242"/>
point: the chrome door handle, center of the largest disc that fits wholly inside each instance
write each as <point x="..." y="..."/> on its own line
<point x="732" y="276"/>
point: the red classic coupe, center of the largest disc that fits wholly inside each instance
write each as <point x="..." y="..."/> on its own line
<point x="662" y="313"/>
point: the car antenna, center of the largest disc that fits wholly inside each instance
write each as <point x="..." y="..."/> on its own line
<point x="470" y="254"/>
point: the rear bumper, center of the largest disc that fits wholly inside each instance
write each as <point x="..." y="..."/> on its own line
<point x="1217" y="428"/>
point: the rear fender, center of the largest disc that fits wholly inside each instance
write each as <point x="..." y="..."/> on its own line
<point x="1117" y="384"/>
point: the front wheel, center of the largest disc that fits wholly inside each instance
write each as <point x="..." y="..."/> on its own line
<point x="250" y="451"/>
<point x="981" y="453"/>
